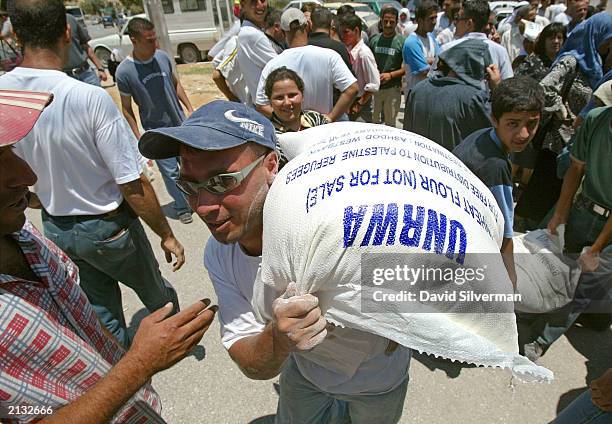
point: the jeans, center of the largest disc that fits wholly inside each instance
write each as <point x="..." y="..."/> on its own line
<point x="108" y="250"/>
<point x="169" y="170"/>
<point x="387" y="101"/>
<point x="593" y="291"/>
<point x="89" y="76"/>
<point x="301" y="402"/>
<point x="583" y="411"/>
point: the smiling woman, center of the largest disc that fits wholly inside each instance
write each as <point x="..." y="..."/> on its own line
<point x="285" y="89"/>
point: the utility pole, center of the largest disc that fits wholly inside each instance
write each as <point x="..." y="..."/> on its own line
<point x="155" y="12"/>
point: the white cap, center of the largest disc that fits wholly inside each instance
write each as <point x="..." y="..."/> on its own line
<point x="290" y="15"/>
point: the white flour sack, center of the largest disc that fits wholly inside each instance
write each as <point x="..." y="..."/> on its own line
<point x="396" y="237"/>
<point x="546" y="279"/>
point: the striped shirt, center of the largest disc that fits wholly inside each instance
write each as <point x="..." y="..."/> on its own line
<point x="52" y="348"/>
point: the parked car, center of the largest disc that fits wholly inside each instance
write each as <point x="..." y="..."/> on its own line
<point x="297" y="4"/>
<point x="362" y="10"/>
<point x="377" y="5"/>
<point x="107" y="20"/>
<point x="502" y="13"/>
<point x="193" y="29"/>
<point x="494" y="5"/>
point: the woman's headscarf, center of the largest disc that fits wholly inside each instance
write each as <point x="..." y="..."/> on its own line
<point x="469" y="60"/>
<point x="583" y="42"/>
<point x="407" y="13"/>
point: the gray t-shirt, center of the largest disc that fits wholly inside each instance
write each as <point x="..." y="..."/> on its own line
<point x="151" y="86"/>
<point x="77" y="55"/>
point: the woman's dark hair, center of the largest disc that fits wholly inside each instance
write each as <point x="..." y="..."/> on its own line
<point x="38" y="23"/>
<point x="517" y="94"/>
<point x="549" y="31"/>
<point x="281" y="74"/>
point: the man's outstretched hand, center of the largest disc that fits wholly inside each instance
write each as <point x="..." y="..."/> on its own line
<point x="162" y="341"/>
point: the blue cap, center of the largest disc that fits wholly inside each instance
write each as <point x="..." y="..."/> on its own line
<point x="217" y="125"/>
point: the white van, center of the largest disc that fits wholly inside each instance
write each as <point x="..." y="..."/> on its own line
<point x="194" y="26"/>
<point x="77" y="13"/>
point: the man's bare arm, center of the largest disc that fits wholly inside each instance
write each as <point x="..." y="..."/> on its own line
<point x="571" y="182"/>
<point x="298" y="325"/>
<point x="128" y="113"/>
<point x="258" y="356"/>
<point x="221" y="84"/>
<point x="182" y="95"/>
<point x="92" y="56"/>
<point x="507" y="252"/>
<point x="142" y="199"/>
<point x="344" y="102"/>
<point x="604" y="237"/>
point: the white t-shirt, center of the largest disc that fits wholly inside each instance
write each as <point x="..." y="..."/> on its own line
<point x="442" y="22"/>
<point x="446" y="35"/>
<point x="226" y="63"/>
<point x="562" y="18"/>
<point x="352" y="362"/>
<point x="255" y="50"/>
<point x="366" y="70"/>
<point x="512" y="41"/>
<point x="220" y="45"/>
<point x="80" y="148"/>
<point x="553" y="10"/>
<point x="7" y="28"/>
<point x="321" y="69"/>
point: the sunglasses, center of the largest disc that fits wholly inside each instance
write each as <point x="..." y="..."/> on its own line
<point x="218" y="184"/>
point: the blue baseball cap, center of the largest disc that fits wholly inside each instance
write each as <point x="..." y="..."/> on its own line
<point x="217" y="125"/>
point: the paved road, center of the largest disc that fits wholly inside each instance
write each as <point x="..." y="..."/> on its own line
<point x="98" y="30"/>
<point x="208" y="388"/>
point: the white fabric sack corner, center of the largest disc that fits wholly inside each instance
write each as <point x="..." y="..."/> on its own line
<point x="353" y="189"/>
<point x="546" y="279"/>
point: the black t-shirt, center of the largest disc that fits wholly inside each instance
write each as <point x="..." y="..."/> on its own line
<point x="321" y="39"/>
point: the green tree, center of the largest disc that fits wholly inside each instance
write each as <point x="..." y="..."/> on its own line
<point x="91" y="7"/>
<point x="135" y="6"/>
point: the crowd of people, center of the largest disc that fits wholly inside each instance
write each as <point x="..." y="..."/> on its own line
<point x="525" y="104"/>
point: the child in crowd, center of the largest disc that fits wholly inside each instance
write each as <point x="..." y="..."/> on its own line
<point x="516" y="109"/>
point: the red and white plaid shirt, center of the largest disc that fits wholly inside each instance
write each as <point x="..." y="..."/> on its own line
<point x="52" y="348"/>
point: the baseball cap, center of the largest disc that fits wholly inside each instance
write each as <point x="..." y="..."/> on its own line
<point x="19" y="111"/>
<point x="291" y="15"/>
<point x="217" y="125"/>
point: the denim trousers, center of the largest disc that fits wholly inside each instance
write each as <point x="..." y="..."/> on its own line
<point x="301" y="402"/>
<point x="169" y="169"/>
<point x="108" y="251"/>
<point x="593" y="291"/>
<point x="89" y="76"/>
<point x="583" y="411"/>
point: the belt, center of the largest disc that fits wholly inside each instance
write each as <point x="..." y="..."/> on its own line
<point x="78" y="70"/>
<point x="595" y="208"/>
<point x="110" y="214"/>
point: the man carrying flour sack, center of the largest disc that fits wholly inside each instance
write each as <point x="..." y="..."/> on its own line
<point x="228" y="162"/>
